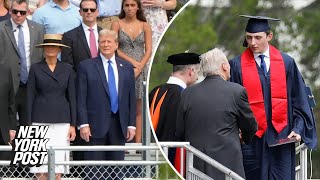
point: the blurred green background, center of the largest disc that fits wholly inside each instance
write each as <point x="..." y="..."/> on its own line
<point x="206" y="24"/>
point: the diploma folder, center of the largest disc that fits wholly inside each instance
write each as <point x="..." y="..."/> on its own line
<point x="283" y="141"/>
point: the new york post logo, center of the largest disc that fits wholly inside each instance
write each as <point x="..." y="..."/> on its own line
<point x="29" y="147"/>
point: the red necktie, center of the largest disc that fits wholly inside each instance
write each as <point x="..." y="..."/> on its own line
<point x="93" y="45"/>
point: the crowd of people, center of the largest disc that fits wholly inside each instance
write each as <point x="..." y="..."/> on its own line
<point x="77" y="67"/>
<point x="243" y="110"/>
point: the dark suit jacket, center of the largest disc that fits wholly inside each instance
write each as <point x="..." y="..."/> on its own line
<point x="79" y="51"/>
<point x="209" y="117"/>
<point x="51" y="95"/>
<point x="9" y="52"/>
<point x="7" y="105"/>
<point x="93" y="101"/>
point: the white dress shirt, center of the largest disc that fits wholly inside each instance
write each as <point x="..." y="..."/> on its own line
<point x="266" y="58"/>
<point x="87" y="32"/>
<point x="26" y="35"/>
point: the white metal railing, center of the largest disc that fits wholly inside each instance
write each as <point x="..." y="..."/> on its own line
<point x="149" y="168"/>
<point x="302" y="168"/>
<point x="191" y="151"/>
<point x="166" y="145"/>
<point x="192" y="173"/>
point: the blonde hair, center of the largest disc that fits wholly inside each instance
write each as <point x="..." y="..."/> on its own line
<point x="6" y="4"/>
<point x="107" y="32"/>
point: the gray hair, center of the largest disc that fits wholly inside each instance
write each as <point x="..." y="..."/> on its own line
<point x="211" y="62"/>
<point x="107" y="32"/>
<point x="20" y="2"/>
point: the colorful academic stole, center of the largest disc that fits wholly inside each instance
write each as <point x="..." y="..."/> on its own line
<point x="155" y="110"/>
<point x="251" y="82"/>
<point x="155" y="117"/>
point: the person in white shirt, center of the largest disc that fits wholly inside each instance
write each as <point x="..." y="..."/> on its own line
<point x="20" y="53"/>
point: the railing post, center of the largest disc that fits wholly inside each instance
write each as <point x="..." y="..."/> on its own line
<point x="165" y="150"/>
<point x="182" y="160"/>
<point x="146" y="132"/>
<point x="189" y="164"/>
<point x="51" y="164"/>
<point x="228" y="177"/>
<point x="304" y="160"/>
<point x="157" y="166"/>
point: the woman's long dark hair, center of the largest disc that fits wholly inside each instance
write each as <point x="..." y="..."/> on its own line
<point x="140" y="14"/>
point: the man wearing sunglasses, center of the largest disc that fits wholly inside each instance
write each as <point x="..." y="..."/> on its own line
<point x="83" y="39"/>
<point x="108" y="11"/>
<point x="83" y="43"/>
<point x="18" y="37"/>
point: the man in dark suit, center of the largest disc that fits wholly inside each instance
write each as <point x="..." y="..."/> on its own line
<point x="18" y="38"/>
<point x="83" y="43"/>
<point x="7" y="115"/>
<point x="83" y="39"/>
<point x="211" y="113"/>
<point x="106" y="99"/>
<point x="7" y="110"/>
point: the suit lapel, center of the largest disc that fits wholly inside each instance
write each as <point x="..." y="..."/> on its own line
<point x="121" y="78"/>
<point x="59" y="72"/>
<point x="99" y="29"/>
<point x="8" y="28"/>
<point x="99" y="66"/>
<point x="32" y="39"/>
<point x="45" y="68"/>
<point x="82" y="36"/>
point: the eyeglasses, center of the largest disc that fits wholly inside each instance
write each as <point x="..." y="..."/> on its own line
<point x="87" y="9"/>
<point x="14" y="11"/>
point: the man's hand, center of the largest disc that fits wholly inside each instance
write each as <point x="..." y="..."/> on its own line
<point x="293" y="134"/>
<point x="130" y="134"/>
<point x="12" y="135"/>
<point x="72" y="133"/>
<point x="85" y="133"/>
<point x="240" y="137"/>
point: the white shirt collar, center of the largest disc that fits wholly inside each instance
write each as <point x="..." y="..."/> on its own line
<point x="86" y="28"/>
<point x="266" y="53"/>
<point x="266" y="58"/>
<point x="104" y="59"/>
<point x="177" y="81"/>
<point x="15" y="26"/>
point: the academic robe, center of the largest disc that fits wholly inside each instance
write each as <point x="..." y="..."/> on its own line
<point x="166" y="128"/>
<point x="260" y="160"/>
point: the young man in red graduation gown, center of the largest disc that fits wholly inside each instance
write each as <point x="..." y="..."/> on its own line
<point x="277" y="97"/>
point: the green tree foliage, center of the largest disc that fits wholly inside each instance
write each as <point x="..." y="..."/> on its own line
<point x="187" y="32"/>
<point x="307" y="26"/>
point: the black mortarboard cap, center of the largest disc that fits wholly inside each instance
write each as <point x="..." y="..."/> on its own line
<point x="184" y="59"/>
<point x="257" y="24"/>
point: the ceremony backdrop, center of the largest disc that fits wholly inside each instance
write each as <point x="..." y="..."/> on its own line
<point x="199" y="28"/>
